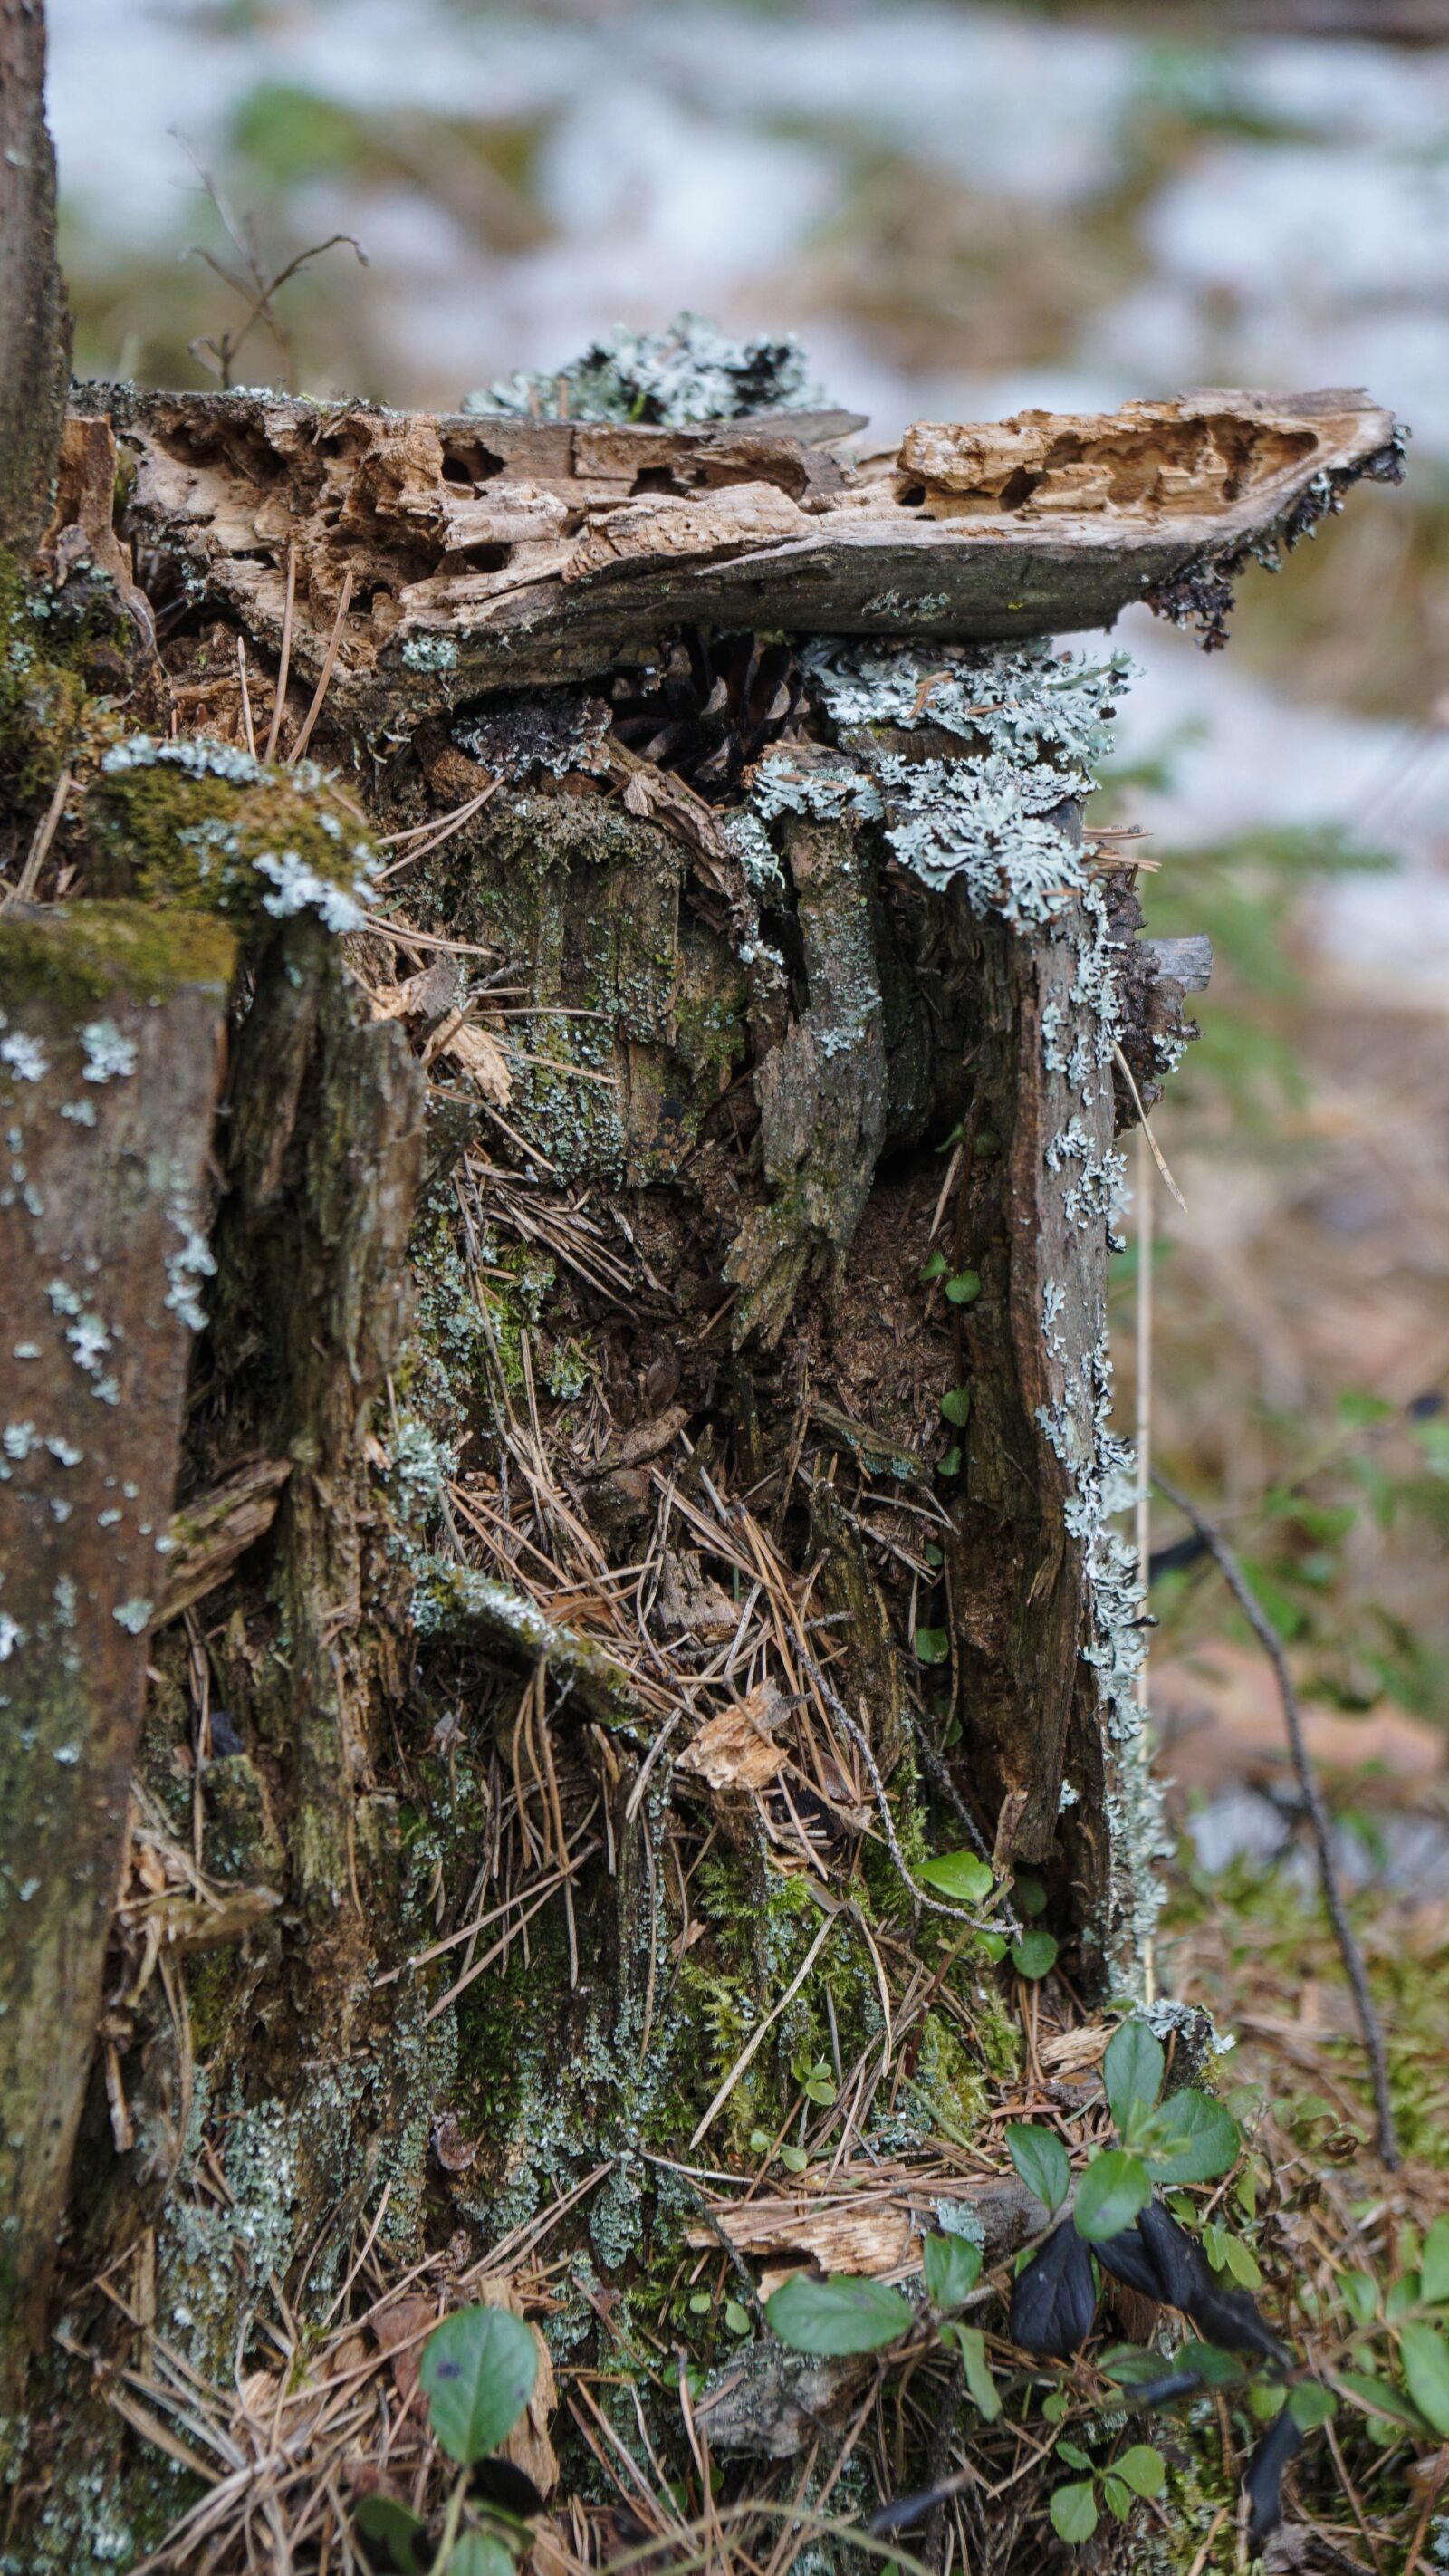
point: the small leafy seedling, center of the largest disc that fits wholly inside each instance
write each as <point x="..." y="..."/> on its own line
<point x="844" y="2314"/>
<point x="477" y="2373"/>
<point x="964" y="1287"/>
<point x="1135" y="2472"/>
<point x="959" y="1875"/>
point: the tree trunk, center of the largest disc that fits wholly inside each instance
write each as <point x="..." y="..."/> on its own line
<point x="34" y="325"/>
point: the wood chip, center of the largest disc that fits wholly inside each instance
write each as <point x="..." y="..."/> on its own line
<point x="736" y="1750"/>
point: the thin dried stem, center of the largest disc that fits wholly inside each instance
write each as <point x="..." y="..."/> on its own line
<point x="1349" y="1951"/>
<point x="279" y="706"/>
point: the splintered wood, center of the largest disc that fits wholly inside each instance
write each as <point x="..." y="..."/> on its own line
<point x="487" y="551"/>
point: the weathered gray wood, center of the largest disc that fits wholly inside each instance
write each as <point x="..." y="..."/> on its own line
<point x="110" y="1054"/>
<point x="485" y="552"/>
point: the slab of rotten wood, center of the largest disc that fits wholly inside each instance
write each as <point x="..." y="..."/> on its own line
<point x="483" y="551"/>
<point x="110" y="1058"/>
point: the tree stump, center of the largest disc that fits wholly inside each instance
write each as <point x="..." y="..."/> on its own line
<point x="646" y="1494"/>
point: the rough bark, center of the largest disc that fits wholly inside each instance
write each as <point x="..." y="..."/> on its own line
<point x="34" y="324"/>
<point x="109" y="1061"/>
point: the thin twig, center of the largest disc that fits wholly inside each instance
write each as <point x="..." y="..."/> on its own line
<point x="1125" y="1070"/>
<point x="279" y="706"/>
<point x="324" y="680"/>
<point x="1144" y="1387"/>
<point x="1272" y="1645"/>
<point x="44" y="834"/>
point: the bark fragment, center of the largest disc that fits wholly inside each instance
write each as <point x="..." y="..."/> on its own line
<point x="109" y="1061"/>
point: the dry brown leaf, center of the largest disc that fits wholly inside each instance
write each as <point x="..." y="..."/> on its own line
<point x="528" y="2445"/>
<point x="404" y="2322"/>
<point x="736" y="1749"/>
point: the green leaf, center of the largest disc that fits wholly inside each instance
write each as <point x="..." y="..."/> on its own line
<point x="1425" y="2357"/>
<point x="1116" y="2497"/>
<point x="477" y="2374"/>
<point x="981" y="2388"/>
<point x="737" y="2318"/>
<point x="1143" y="2469"/>
<point x="403" y="2536"/>
<point x="843" y="2314"/>
<point x="1132" y="2070"/>
<point x="1310" y="2404"/>
<point x="700" y="2303"/>
<point x="1403" y="2297"/>
<point x="1130" y="2366"/>
<point x="1109" y="2195"/>
<point x="964" y="1288"/>
<point x="952" y="2267"/>
<point x="949" y="1462"/>
<point x="958" y="1874"/>
<point x="1378" y="2397"/>
<point x="1194" y="2140"/>
<point x="1242" y="2263"/>
<point x="1360" y="2296"/>
<point x="956" y="1406"/>
<point x="794" y="2159"/>
<point x="1041" y="2160"/>
<point x="1073" y="2511"/>
<point x="994" y="1945"/>
<point x="1434" y="2265"/>
<point x="1034" y="1954"/>
<point x="933" y="1645"/>
<point x="934" y="1266"/>
<point x="1074" y="2455"/>
<point x="1215" y="2369"/>
<point x="1028" y="1892"/>
<point x="1054" y="2407"/>
<point x="480" y="2553"/>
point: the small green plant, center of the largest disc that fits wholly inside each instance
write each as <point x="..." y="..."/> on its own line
<point x="1117" y="2484"/>
<point x="850" y="2314"/>
<point x="1394" y="2360"/>
<point x="477" y="2374"/>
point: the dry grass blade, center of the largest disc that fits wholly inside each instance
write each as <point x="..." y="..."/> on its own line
<point x="319" y="698"/>
<point x="279" y="703"/>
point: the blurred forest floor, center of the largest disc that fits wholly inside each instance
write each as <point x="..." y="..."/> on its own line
<point x="960" y="211"/>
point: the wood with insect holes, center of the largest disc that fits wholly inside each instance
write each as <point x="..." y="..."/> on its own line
<point x="471" y="581"/>
<point x="96" y="1321"/>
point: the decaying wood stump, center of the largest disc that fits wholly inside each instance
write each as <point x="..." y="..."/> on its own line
<point x="646" y="1482"/>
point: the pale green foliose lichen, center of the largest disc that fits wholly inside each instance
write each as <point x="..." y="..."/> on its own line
<point x="668" y="379"/>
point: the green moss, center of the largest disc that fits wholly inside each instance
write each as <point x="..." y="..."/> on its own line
<point x="80" y="957"/>
<point x="49" y="720"/>
<point x="203" y="825"/>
